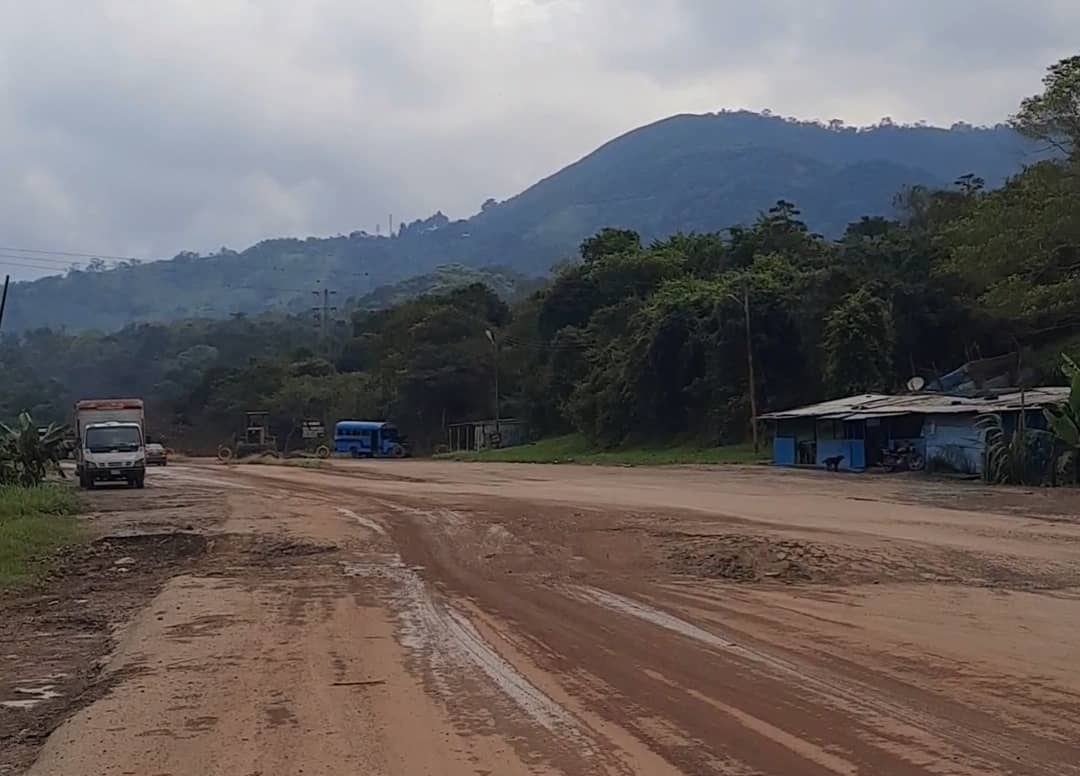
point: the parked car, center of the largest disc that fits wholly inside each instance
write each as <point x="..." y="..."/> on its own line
<point x="156" y="455"/>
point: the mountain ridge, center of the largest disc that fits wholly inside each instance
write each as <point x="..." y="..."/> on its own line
<point x="685" y="173"/>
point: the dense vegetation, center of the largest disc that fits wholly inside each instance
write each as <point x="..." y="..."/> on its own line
<point x="682" y="175"/>
<point x="638" y="339"/>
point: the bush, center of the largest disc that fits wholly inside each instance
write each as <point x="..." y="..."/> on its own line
<point x="952" y="459"/>
<point x="27" y="454"/>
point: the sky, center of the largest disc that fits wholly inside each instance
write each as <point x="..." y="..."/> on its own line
<point x="132" y="128"/>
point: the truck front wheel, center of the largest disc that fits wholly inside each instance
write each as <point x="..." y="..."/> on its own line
<point x="140" y="481"/>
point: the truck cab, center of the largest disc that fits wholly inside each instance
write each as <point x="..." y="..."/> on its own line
<point x="111" y="443"/>
<point x="113" y="451"/>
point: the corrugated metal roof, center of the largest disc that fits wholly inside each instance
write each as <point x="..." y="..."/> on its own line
<point x="876" y="405"/>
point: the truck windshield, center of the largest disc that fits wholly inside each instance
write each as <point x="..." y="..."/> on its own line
<point x="113" y="440"/>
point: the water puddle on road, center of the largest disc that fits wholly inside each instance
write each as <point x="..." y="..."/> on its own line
<point x="30" y="696"/>
<point x="364" y="521"/>
<point x="645" y="612"/>
<point x="449" y="642"/>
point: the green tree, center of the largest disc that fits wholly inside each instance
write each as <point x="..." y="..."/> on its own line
<point x="610" y="242"/>
<point x="858" y="345"/>
<point x="1015" y="255"/>
<point x="1054" y="115"/>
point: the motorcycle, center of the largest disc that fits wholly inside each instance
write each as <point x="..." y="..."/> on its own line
<point x="903" y="459"/>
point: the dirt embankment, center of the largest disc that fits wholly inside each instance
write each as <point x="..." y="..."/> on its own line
<point x="57" y="634"/>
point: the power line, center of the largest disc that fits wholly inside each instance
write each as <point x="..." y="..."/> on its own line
<point x="335" y="272"/>
<point x="515" y="342"/>
<point x="246" y="287"/>
<point x="40" y="254"/>
<point x="37" y="262"/>
<point x="266" y="288"/>
<point x="74" y="253"/>
<point x="34" y="263"/>
<point x="41" y="259"/>
<point x="31" y="266"/>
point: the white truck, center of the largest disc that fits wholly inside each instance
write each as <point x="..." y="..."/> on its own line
<point x="110" y="442"/>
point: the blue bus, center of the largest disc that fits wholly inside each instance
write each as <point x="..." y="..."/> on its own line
<point x="368" y="439"/>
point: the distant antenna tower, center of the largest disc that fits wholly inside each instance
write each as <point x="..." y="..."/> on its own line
<point x="391" y="232"/>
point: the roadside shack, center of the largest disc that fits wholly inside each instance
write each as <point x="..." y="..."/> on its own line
<point x="857" y="430"/>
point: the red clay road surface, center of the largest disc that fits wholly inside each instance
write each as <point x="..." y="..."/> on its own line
<point x="442" y="618"/>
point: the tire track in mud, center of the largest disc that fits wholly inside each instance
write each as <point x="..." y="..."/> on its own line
<point x="899" y="731"/>
<point x="937" y="735"/>
<point x="443" y="638"/>
<point x="447" y="641"/>
<point x="839" y="709"/>
<point x="449" y="646"/>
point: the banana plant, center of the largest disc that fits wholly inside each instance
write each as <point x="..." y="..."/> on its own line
<point x="1023" y="457"/>
<point x="27" y="454"/>
<point x="1064" y="422"/>
<point x="1069" y="367"/>
<point x="1004" y="464"/>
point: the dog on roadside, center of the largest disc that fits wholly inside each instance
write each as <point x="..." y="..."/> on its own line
<point x="833" y="464"/>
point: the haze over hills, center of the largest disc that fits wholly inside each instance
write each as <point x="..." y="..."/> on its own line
<point x="687" y="173"/>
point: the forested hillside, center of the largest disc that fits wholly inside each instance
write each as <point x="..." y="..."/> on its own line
<point x="685" y="174"/>
<point x="637" y="339"/>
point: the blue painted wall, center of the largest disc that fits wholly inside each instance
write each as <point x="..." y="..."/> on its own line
<point x="955" y="439"/>
<point x="784" y="451"/>
<point x="790" y="435"/>
<point x="853" y="451"/>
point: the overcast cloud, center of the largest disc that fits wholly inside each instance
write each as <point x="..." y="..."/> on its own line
<point x="146" y="128"/>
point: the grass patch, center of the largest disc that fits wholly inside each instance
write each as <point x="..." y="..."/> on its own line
<point x="574" y="448"/>
<point x="34" y="522"/>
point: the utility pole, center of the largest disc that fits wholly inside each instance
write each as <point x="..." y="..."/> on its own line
<point x="495" y="360"/>
<point x="3" y="299"/>
<point x="745" y="302"/>
<point x="322" y="313"/>
<point x="750" y="368"/>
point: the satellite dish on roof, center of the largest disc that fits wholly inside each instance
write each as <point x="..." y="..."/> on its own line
<point x="916" y="384"/>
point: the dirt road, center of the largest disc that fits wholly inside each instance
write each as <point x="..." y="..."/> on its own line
<point x="436" y="618"/>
